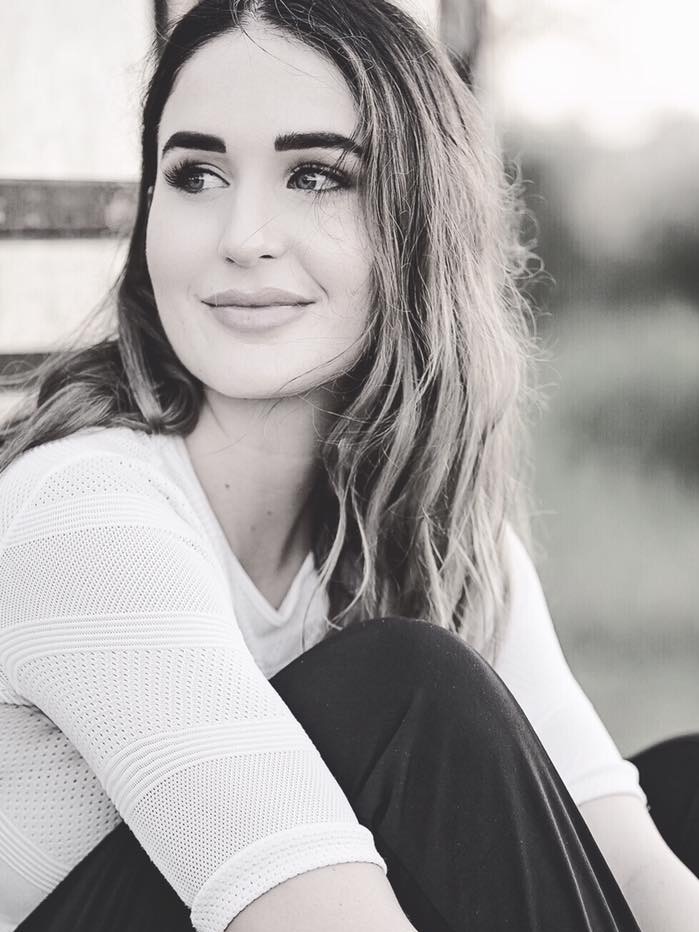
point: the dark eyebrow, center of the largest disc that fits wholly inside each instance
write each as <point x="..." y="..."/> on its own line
<point x="316" y="141"/>
<point x="284" y="143"/>
<point x="195" y="141"/>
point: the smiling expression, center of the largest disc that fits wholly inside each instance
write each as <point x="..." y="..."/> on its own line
<point x="256" y="244"/>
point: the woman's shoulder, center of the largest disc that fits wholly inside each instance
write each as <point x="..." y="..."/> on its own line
<point x="516" y="550"/>
<point x="91" y="440"/>
<point x="87" y="463"/>
<point x="528" y="629"/>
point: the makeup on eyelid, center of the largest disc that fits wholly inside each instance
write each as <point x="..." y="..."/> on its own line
<point x="183" y="171"/>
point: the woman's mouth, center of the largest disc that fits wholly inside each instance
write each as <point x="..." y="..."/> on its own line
<point x="256" y="310"/>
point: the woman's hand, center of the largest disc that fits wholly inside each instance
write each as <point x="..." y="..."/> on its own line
<point x="662" y="893"/>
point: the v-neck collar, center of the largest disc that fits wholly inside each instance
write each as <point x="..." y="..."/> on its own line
<point x="274" y="615"/>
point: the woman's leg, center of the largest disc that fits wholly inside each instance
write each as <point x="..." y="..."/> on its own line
<point x="669" y="774"/>
<point x="438" y="760"/>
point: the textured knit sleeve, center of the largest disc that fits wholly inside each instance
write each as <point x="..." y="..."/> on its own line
<point x="116" y="622"/>
<point x="534" y="668"/>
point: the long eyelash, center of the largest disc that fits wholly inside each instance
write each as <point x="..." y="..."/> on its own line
<point x="176" y="174"/>
<point x="339" y="177"/>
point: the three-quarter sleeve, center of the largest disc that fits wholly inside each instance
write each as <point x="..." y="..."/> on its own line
<point x="533" y="666"/>
<point x="117" y="623"/>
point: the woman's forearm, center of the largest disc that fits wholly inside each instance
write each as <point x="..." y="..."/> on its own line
<point x="664" y="895"/>
<point x="340" y="898"/>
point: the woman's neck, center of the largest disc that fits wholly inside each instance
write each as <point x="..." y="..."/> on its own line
<point x="257" y="461"/>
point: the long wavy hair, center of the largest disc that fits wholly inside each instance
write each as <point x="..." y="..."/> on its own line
<point x="423" y="463"/>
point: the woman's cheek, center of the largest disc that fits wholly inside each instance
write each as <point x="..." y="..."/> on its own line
<point x="174" y="240"/>
<point x="343" y="240"/>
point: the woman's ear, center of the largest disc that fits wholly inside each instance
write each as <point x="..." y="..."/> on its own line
<point x="149" y="194"/>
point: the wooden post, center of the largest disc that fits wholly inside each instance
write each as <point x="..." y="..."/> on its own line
<point x="461" y="24"/>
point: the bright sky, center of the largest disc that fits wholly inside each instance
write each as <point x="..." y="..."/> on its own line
<point x="611" y="65"/>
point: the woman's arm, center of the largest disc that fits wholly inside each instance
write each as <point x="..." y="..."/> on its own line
<point x="117" y="623"/>
<point x="662" y="893"/>
<point x="340" y="898"/>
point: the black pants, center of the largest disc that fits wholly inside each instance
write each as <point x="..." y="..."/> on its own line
<point x="440" y="763"/>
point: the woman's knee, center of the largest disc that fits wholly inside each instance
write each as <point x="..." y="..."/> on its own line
<point x="390" y="661"/>
<point x="417" y="653"/>
<point x="405" y="687"/>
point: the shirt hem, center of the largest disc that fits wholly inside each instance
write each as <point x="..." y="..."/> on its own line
<point x="271" y="861"/>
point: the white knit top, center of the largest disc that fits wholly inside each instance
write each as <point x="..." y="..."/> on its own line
<point x="135" y="654"/>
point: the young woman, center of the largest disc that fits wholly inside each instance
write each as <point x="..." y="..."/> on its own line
<point x="255" y="548"/>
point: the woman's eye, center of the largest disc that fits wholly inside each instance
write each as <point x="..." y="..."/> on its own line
<point x="193" y="179"/>
<point x="319" y="178"/>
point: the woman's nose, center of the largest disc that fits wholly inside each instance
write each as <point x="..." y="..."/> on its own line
<point x="252" y="229"/>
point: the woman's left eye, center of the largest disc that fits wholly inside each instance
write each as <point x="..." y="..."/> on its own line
<point x="319" y="178"/>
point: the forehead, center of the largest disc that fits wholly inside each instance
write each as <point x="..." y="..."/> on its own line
<point x="259" y="84"/>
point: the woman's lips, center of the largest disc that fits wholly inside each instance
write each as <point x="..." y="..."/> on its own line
<point x="261" y="298"/>
<point x="257" y="318"/>
<point x="255" y="311"/>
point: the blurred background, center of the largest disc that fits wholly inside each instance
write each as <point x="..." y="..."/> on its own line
<point x="598" y="101"/>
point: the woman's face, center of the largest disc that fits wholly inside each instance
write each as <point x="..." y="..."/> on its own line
<point x="235" y="221"/>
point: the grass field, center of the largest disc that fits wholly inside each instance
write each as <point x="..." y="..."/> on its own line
<point x="617" y="497"/>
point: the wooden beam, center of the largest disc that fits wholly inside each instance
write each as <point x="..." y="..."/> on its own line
<point x="462" y="24"/>
<point x="65" y="209"/>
